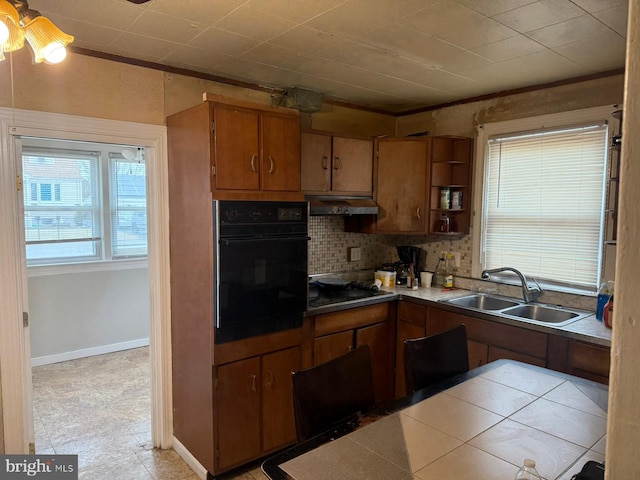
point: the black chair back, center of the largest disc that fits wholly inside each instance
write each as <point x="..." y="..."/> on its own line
<point x="327" y="394"/>
<point x="428" y="360"/>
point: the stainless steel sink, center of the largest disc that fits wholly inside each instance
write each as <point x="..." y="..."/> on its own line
<point x="482" y="302"/>
<point x="541" y="313"/>
<point x="512" y="308"/>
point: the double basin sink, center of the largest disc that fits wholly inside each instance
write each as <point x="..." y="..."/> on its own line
<point x="512" y="308"/>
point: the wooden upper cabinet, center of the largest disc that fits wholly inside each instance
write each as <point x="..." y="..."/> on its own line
<point x="280" y="159"/>
<point x="315" y="154"/>
<point x="402" y="179"/>
<point x="255" y="150"/>
<point x="237" y="149"/>
<point x="352" y="165"/>
<point x="332" y="164"/>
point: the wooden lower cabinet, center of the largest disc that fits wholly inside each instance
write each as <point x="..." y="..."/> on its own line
<point x="377" y="338"/>
<point x="335" y="334"/>
<point x="580" y="358"/>
<point x="239" y="399"/>
<point x="589" y="361"/>
<point x="489" y="341"/>
<point x="332" y="346"/>
<point x="412" y="323"/>
<point x="255" y="406"/>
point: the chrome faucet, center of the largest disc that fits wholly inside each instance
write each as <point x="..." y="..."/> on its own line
<point x="530" y="295"/>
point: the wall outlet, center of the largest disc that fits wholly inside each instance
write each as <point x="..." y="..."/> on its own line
<point x="354" y="254"/>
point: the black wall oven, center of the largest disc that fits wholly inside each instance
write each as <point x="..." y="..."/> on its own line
<point x="260" y="274"/>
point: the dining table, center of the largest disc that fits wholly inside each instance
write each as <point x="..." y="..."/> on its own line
<point x="481" y="424"/>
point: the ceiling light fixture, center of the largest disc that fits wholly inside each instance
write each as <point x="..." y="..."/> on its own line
<point x="18" y="22"/>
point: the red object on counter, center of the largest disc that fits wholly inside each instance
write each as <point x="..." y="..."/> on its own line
<point x="607" y="313"/>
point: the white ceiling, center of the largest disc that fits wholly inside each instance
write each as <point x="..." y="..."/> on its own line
<point x="392" y="55"/>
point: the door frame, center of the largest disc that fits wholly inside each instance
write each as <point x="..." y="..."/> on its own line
<point x="15" y="357"/>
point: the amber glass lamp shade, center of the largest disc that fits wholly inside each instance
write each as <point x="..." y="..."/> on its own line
<point x="11" y="34"/>
<point x="47" y="41"/>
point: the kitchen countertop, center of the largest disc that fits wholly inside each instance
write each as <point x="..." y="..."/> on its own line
<point x="587" y="329"/>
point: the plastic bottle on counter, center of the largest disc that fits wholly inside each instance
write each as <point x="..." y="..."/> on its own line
<point x="607" y="313"/>
<point x="528" y="471"/>
<point x="438" y="273"/>
<point x="449" y="270"/>
<point x="412" y="282"/>
<point x="604" y="294"/>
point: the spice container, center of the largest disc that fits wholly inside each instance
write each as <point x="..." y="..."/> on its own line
<point x="444" y="225"/>
<point x="445" y="198"/>
<point x="456" y="200"/>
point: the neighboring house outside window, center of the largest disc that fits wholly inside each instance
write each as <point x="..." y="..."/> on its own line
<point x="82" y="204"/>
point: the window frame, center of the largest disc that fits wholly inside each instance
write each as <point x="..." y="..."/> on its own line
<point x="550" y="121"/>
<point x="105" y="258"/>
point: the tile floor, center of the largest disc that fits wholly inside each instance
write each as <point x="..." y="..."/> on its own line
<point x="100" y="409"/>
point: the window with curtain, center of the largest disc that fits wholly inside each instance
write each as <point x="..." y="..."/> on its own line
<point x="83" y="202"/>
<point x="544" y="203"/>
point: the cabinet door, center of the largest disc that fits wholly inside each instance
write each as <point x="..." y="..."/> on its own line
<point x="315" y="152"/>
<point x="280" y="153"/>
<point x="278" y="425"/>
<point x="406" y="331"/>
<point x="352" y="166"/>
<point x="238" y="396"/>
<point x="328" y="347"/>
<point x="478" y="353"/>
<point x="377" y="337"/>
<point x="236" y="149"/>
<point x="589" y="361"/>
<point x="401" y="185"/>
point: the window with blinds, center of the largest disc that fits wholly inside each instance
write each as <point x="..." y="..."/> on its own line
<point x="83" y="202"/>
<point x="61" y="205"/>
<point x="544" y="203"/>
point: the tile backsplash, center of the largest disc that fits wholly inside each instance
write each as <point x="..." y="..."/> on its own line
<point x="329" y="245"/>
<point x="328" y="251"/>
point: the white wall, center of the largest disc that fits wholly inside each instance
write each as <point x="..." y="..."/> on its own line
<point x="87" y="313"/>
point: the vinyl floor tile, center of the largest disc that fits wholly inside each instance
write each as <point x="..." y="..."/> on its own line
<point x="100" y="408"/>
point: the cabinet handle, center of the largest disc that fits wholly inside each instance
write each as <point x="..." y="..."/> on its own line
<point x="253" y="382"/>
<point x="418" y="213"/>
<point x="271" y="164"/>
<point x="253" y="163"/>
<point x="270" y="382"/>
<point x="325" y="162"/>
<point x="337" y="164"/>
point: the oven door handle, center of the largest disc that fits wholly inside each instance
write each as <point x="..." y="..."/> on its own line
<point x="241" y="241"/>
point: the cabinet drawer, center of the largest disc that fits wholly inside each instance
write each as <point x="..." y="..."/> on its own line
<point x="412" y="313"/>
<point x="350" y="319"/>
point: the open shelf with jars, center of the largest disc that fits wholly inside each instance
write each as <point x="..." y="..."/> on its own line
<point x="450" y="195"/>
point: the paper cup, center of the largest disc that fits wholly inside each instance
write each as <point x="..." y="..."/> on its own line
<point x="426" y="278"/>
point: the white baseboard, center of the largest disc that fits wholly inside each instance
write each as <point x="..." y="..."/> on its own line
<point x="88" y="352"/>
<point x="189" y="459"/>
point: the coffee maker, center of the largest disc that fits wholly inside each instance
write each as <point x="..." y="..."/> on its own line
<point x="407" y="256"/>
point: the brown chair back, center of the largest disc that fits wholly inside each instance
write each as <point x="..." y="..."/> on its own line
<point x="428" y="360"/>
<point x="331" y="392"/>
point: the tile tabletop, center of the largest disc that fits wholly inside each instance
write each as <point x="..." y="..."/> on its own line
<point x="482" y="427"/>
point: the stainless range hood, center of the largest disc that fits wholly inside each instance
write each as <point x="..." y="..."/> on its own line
<point x="342" y="206"/>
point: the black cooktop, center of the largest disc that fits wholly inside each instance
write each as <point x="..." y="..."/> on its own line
<point x="321" y="295"/>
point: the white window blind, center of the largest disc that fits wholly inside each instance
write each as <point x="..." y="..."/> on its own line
<point x="61" y="205"/>
<point x="543" y="207"/>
